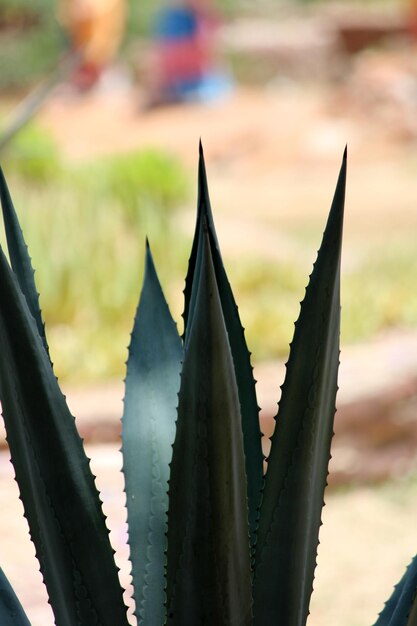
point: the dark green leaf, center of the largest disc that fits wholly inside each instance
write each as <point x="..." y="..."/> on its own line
<point x="208" y="570"/>
<point x="241" y="356"/>
<point x="298" y="464"/>
<point x="19" y="257"/>
<point x="150" y="411"/>
<point x="11" y="611"/>
<point x="57" y="488"/>
<point x="203" y="212"/>
<point x="401" y="608"/>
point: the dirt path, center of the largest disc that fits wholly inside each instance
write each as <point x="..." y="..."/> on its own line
<point x="272" y="157"/>
<point x="367" y="539"/>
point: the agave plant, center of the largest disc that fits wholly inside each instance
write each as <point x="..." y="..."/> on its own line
<point x="213" y="540"/>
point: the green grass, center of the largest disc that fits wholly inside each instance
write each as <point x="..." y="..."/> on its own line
<point x="377" y="294"/>
<point x="27" y="53"/>
<point x="268" y="296"/>
<point x="33" y="156"/>
<point x="86" y="226"/>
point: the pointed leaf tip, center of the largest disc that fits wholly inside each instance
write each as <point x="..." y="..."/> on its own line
<point x="4" y="190"/>
<point x="205" y="505"/>
<point x="205" y="229"/>
<point x="336" y="214"/>
<point x="202" y="181"/>
<point x="343" y="167"/>
<point x="20" y="260"/>
<point x="152" y="383"/>
<point x="149" y="262"/>
<point x="290" y="519"/>
<point x="45" y="449"/>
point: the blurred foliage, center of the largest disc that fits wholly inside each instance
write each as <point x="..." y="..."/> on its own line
<point x="268" y="295"/>
<point x="376" y="295"/>
<point x="377" y="289"/>
<point x="86" y="233"/>
<point x="34" y="155"/>
<point x="30" y="41"/>
<point x="86" y="225"/>
<point x="134" y="180"/>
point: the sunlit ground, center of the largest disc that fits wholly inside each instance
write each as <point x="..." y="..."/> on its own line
<point x="367" y="539"/>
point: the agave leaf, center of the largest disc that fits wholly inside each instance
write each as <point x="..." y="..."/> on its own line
<point x="150" y="411"/>
<point x="56" y="486"/>
<point x="252" y="435"/>
<point x="204" y="213"/>
<point x="19" y="257"/>
<point x="298" y="464"/>
<point x="412" y="618"/>
<point x="401" y="608"/>
<point x="208" y="570"/>
<point x="11" y="611"/>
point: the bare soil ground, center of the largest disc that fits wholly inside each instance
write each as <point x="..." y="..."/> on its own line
<point x="366" y="542"/>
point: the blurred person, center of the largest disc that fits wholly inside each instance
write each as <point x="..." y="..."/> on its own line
<point x="95" y="29"/>
<point x="183" y="64"/>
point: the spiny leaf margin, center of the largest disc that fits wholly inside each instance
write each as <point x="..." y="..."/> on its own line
<point x="151" y="398"/>
<point x="208" y="570"/>
<point x="252" y="435"/>
<point x="401" y="608"/>
<point x="19" y="257"/>
<point x="57" y="488"/>
<point x="290" y="515"/>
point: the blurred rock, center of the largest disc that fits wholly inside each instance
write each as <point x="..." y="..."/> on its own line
<point x="376" y="420"/>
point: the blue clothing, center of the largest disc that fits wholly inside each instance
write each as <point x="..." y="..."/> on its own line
<point x="175" y="23"/>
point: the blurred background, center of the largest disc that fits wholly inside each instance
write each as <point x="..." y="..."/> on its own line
<point x="102" y="104"/>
